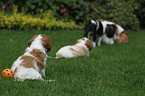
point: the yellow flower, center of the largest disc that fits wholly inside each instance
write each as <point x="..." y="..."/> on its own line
<point x="38" y="28"/>
<point x="9" y="27"/>
<point x="6" y="22"/>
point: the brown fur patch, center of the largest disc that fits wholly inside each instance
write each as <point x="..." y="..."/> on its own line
<point x="38" y="54"/>
<point x="29" y="62"/>
<point x="89" y="44"/>
<point x="82" y="39"/>
<point x="123" y="38"/>
<point x="15" y="70"/>
<point x="100" y="20"/>
<point x="31" y="40"/>
<point x="82" y="52"/>
<point x="46" y="42"/>
<point x="59" y="55"/>
<point x="77" y="41"/>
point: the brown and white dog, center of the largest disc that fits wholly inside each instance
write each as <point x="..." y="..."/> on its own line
<point x="108" y="31"/>
<point x="81" y="48"/>
<point x="31" y="65"/>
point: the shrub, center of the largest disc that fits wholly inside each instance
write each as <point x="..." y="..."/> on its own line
<point x="121" y="12"/>
<point x="46" y="20"/>
<point x="73" y="8"/>
<point x="140" y="12"/>
<point x="127" y="13"/>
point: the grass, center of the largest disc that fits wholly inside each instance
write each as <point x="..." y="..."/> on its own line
<point x="110" y="70"/>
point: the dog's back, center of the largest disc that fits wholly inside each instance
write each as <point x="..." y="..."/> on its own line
<point x="80" y="48"/>
<point x="66" y="52"/>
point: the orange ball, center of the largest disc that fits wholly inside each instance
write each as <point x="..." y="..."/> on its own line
<point x="8" y="73"/>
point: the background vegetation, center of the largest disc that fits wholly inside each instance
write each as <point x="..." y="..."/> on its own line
<point x="127" y="13"/>
<point x="110" y="70"/>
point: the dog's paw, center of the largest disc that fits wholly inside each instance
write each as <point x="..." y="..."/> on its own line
<point x="94" y="44"/>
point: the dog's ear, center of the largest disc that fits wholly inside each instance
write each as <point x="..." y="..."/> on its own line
<point x="123" y="38"/>
<point x="89" y="44"/>
<point x="110" y="30"/>
<point x="87" y="28"/>
<point x="31" y="40"/>
<point x="116" y="28"/>
<point x="46" y="40"/>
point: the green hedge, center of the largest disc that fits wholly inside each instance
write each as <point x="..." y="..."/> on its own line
<point x="140" y="12"/>
<point x="119" y="11"/>
<point x="128" y="13"/>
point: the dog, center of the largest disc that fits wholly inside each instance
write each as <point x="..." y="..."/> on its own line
<point x="31" y="65"/>
<point x="80" y="48"/>
<point x="108" y="31"/>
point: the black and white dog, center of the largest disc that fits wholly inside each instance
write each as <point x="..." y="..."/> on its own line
<point x="108" y="31"/>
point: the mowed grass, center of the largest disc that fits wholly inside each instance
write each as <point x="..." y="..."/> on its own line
<point x="110" y="70"/>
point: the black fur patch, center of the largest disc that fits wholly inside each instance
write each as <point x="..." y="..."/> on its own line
<point x="110" y="30"/>
<point x="100" y="30"/>
<point x="89" y="27"/>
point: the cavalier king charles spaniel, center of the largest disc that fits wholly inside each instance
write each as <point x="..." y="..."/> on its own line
<point x="31" y="65"/>
<point x="108" y="31"/>
<point x="81" y="48"/>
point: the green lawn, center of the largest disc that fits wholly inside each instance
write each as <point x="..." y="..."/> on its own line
<point x="110" y="70"/>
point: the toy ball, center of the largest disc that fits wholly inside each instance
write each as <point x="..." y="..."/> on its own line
<point x="8" y="73"/>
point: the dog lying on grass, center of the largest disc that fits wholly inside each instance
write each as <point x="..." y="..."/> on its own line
<point x="81" y="48"/>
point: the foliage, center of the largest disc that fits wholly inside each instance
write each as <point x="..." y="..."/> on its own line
<point x="46" y="20"/>
<point x="140" y="12"/>
<point x="121" y="12"/>
<point x="127" y="13"/>
<point x="118" y="11"/>
<point x="73" y="8"/>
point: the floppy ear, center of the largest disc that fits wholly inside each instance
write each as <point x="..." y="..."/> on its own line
<point x="31" y="40"/>
<point x="89" y="44"/>
<point x="46" y="41"/>
<point x="115" y="27"/>
<point x="110" y="30"/>
<point x="87" y="28"/>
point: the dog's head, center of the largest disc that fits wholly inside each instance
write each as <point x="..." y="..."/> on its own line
<point x="90" y="28"/>
<point x="111" y="29"/>
<point x="85" y="41"/>
<point x="45" y="40"/>
<point x="123" y="38"/>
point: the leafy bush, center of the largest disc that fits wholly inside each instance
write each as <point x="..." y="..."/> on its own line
<point x="140" y="12"/>
<point x="127" y="13"/>
<point x="121" y="12"/>
<point x="73" y="8"/>
<point x="46" y="20"/>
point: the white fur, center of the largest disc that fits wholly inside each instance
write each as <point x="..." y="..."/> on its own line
<point x="22" y="72"/>
<point x="108" y="40"/>
<point x="99" y="41"/>
<point x="119" y="30"/>
<point x="105" y="38"/>
<point x="66" y="51"/>
<point x="93" y="22"/>
<point x="94" y="44"/>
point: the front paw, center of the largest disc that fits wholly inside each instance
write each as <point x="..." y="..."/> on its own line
<point x="44" y="74"/>
<point x="99" y="45"/>
<point x="94" y="44"/>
